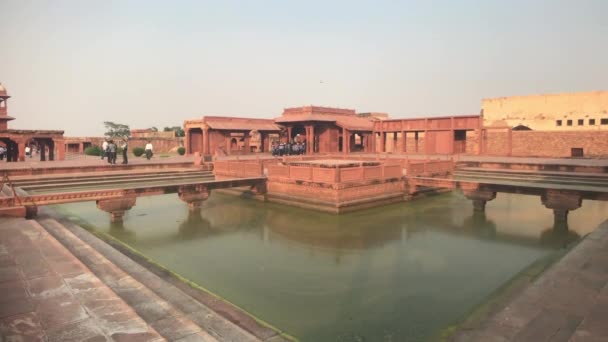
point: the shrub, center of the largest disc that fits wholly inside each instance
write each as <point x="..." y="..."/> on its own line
<point x="138" y="151"/>
<point x="181" y="150"/>
<point x="92" y="151"/>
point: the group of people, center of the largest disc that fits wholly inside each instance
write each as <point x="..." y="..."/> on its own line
<point x="29" y="151"/>
<point x="281" y="149"/>
<point x="109" y="150"/>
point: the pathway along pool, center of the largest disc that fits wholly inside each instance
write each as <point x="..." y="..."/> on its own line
<point x="397" y="273"/>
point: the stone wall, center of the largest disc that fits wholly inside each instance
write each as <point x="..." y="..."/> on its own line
<point x="559" y="144"/>
<point x="541" y="112"/>
<point x="547" y="144"/>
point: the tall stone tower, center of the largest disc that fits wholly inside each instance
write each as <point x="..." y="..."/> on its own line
<point x="4" y="118"/>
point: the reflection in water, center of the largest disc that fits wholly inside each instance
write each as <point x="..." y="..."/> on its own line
<point x="400" y="272"/>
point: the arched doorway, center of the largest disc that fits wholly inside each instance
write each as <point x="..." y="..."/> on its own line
<point x="234" y="144"/>
<point x="12" y="150"/>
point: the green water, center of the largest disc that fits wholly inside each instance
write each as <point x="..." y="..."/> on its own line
<point x="397" y="273"/>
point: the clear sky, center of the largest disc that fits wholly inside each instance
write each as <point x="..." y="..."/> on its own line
<point x="73" y="64"/>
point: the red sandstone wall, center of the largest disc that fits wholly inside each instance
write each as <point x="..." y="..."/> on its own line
<point x="546" y="144"/>
<point x="558" y="144"/>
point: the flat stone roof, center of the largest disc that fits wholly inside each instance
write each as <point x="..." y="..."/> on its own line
<point x="333" y="163"/>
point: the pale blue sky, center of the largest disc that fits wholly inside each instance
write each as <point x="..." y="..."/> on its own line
<point x="73" y="64"/>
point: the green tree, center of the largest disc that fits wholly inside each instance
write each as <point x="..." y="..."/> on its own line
<point x="154" y="129"/>
<point x="179" y="131"/>
<point x="116" y="130"/>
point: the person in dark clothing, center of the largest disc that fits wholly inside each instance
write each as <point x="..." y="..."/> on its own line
<point x="112" y="152"/>
<point x="124" y="147"/>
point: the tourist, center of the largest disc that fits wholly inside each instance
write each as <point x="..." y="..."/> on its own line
<point x="124" y="147"/>
<point x="149" y="150"/>
<point x="2" y="152"/>
<point x="28" y="151"/>
<point x="112" y="152"/>
<point x="104" y="149"/>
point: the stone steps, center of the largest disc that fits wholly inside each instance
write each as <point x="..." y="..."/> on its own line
<point x="172" y="313"/>
<point x="50" y="295"/>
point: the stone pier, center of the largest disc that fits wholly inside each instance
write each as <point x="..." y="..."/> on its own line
<point x="194" y="196"/>
<point x="479" y="198"/>
<point x="116" y="207"/>
<point x="561" y="202"/>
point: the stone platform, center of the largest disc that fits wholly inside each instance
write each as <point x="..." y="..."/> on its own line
<point x="64" y="284"/>
<point x="568" y="302"/>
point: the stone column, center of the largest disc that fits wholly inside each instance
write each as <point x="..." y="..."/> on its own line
<point x="382" y="142"/>
<point x="21" y="150"/>
<point x="246" y="139"/>
<point x="403" y="141"/>
<point x="312" y="139"/>
<point x="116" y="207"/>
<point x="345" y="141"/>
<point x="194" y="196"/>
<point x="262" y="142"/>
<point x="479" y="198"/>
<point x="61" y="149"/>
<point x="205" y="141"/>
<point x="288" y="134"/>
<point x="51" y="150"/>
<point x="81" y="147"/>
<point x="562" y="202"/>
<point x="42" y="150"/>
<point x="416" y="142"/>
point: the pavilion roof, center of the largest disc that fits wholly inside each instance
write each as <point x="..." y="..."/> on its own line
<point x="241" y="124"/>
<point x="350" y="122"/>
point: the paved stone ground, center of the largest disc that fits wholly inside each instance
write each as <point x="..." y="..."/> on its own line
<point x="569" y="302"/>
<point x="46" y="294"/>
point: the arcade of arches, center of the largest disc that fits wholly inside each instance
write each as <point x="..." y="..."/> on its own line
<point x="48" y="145"/>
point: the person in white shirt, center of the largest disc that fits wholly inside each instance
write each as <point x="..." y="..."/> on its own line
<point x="28" y="151"/>
<point x="149" y="150"/>
<point x="104" y="149"/>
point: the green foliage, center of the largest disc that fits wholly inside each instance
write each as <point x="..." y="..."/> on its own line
<point x="138" y="151"/>
<point x="116" y="130"/>
<point x="154" y="129"/>
<point x="92" y="151"/>
<point x="179" y="131"/>
<point x="181" y="150"/>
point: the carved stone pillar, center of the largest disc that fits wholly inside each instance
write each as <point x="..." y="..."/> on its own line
<point x="562" y="202"/>
<point x="194" y="196"/>
<point x="116" y="207"/>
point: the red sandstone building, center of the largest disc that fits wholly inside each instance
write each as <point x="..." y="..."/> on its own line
<point x="15" y="140"/>
<point x="562" y="125"/>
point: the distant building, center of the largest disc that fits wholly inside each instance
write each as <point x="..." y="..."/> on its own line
<point x="48" y="144"/>
<point x="586" y="111"/>
<point x="149" y="133"/>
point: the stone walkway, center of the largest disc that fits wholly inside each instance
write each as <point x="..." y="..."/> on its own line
<point x="54" y="286"/>
<point x="46" y="294"/>
<point x="92" y="161"/>
<point x="569" y="302"/>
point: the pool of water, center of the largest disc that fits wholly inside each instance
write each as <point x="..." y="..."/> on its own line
<point x="396" y="273"/>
